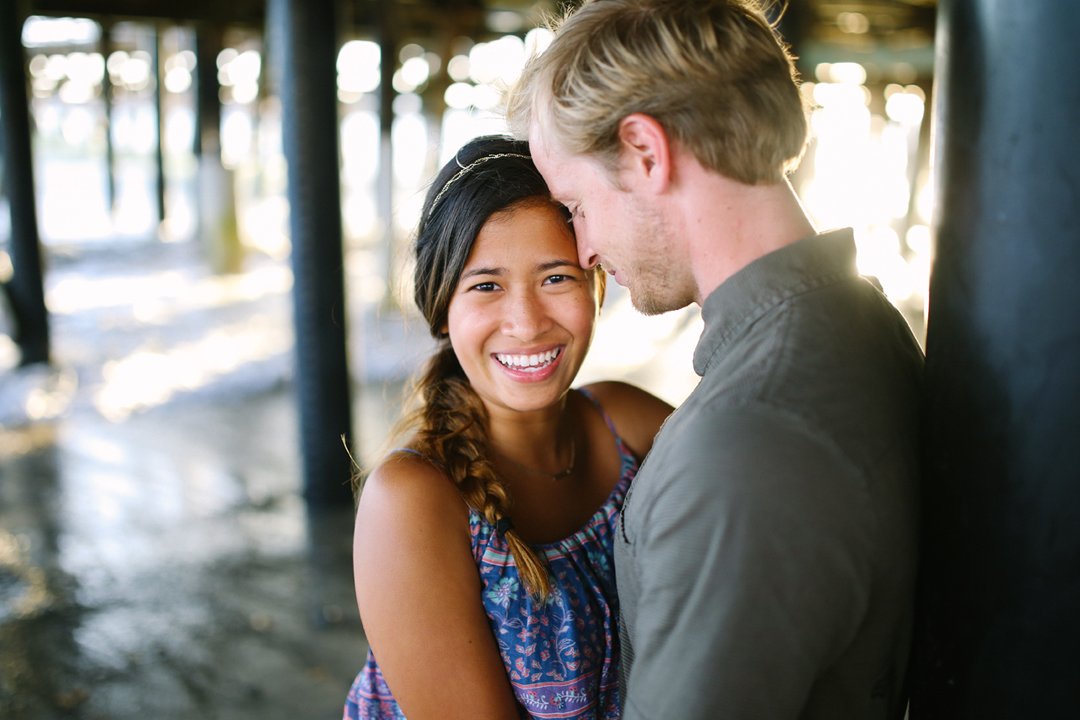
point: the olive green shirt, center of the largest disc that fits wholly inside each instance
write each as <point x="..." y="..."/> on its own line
<point x="767" y="549"/>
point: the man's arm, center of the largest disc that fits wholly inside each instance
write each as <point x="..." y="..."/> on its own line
<point x="753" y="570"/>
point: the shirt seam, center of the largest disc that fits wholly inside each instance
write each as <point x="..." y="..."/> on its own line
<point x="763" y="308"/>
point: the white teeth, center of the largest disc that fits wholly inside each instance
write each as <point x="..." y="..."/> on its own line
<point x="529" y="363"/>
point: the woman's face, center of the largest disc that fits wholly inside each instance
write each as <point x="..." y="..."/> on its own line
<point x="522" y="315"/>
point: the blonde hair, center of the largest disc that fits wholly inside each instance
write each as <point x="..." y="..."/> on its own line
<point x="713" y="73"/>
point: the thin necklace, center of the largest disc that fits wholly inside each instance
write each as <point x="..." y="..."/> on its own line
<point x="557" y="476"/>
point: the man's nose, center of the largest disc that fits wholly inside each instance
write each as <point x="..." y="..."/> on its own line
<point x="587" y="257"/>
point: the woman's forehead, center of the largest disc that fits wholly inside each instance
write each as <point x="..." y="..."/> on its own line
<point x="524" y="234"/>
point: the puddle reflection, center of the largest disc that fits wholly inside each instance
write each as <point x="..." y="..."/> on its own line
<point x="167" y="565"/>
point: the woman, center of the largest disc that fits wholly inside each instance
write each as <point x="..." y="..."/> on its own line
<point x="482" y="551"/>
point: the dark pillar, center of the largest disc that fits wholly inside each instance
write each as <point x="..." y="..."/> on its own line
<point x="307" y="58"/>
<point x="25" y="290"/>
<point x="217" y="198"/>
<point x="106" y="96"/>
<point x="159" y="155"/>
<point x="207" y="88"/>
<point x="999" y="606"/>
<point x="384" y="182"/>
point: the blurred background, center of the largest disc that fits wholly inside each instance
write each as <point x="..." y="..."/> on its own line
<point x="157" y="553"/>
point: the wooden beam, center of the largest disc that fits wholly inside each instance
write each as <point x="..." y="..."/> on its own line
<point x="242" y="12"/>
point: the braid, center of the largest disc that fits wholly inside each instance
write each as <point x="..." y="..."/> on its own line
<point x="488" y="175"/>
<point x="451" y="429"/>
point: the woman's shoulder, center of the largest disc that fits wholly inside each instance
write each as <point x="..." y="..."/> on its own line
<point x="406" y="489"/>
<point x="636" y="414"/>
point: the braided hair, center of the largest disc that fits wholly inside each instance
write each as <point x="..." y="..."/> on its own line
<point x="489" y="175"/>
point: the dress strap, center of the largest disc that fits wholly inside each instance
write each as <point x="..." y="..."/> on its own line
<point x="603" y="412"/>
<point x="405" y="449"/>
<point x="418" y="454"/>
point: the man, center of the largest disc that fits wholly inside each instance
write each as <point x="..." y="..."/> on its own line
<point x="766" y="559"/>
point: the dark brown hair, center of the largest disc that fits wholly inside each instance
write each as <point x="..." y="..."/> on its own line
<point x="489" y="175"/>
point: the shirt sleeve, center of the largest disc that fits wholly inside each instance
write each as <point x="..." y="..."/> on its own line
<point x="752" y="552"/>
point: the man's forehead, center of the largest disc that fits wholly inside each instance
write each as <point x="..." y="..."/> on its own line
<point x="547" y="157"/>
<point x="540" y="115"/>
<point x="539" y="139"/>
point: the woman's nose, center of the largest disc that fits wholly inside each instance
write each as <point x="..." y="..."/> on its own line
<point x="526" y="317"/>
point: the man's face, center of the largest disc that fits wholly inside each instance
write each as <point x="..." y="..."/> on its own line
<point x="615" y="228"/>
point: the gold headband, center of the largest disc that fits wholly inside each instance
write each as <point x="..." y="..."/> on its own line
<point x="465" y="170"/>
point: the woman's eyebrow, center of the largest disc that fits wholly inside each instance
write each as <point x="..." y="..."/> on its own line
<point x="482" y="271"/>
<point x="552" y="264"/>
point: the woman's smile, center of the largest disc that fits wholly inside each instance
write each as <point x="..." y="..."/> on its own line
<point x="521" y="318"/>
<point x="530" y="367"/>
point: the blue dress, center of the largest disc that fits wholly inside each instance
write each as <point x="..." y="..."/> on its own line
<point x="562" y="655"/>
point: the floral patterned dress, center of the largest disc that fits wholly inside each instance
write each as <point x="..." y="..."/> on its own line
<point x="562" y="655"/>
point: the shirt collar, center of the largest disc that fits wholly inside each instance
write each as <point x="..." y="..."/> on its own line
<point x="744" y="297"/>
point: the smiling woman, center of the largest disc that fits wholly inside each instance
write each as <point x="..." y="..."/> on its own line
<point x="483" y="546"/>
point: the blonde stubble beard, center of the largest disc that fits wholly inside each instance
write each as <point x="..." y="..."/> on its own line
<point x="660" y="280"/>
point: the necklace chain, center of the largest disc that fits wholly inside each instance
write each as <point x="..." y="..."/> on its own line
<point x="557" y="476"/>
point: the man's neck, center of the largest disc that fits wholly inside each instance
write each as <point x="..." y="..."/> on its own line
<point x="727" y="225"/>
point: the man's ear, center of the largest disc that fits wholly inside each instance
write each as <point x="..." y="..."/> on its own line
<point x="646" y="153"/>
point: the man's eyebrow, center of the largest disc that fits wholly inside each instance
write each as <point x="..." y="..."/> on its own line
<point x="482" y="271"/>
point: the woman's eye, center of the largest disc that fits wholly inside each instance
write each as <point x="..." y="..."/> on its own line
<point x="556" y="279"/>
<point x="485" y="287"/>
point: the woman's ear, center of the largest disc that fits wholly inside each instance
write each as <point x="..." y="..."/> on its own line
<point x="600" y="282"/>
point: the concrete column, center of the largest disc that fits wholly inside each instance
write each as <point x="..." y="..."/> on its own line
<point x="25" y="290"/>
<point x="308" y="54"/>
<point x="998" y="632"/>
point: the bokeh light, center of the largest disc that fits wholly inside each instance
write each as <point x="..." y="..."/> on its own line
<point x="863" y="174"/>
<point x="358" y="67"/>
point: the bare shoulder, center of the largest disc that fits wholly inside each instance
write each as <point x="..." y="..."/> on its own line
<point x="407" y="490"/>
<point x="636" y="414"/>
<point x="419" y="594"/>
<point x="411" y="522"/>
